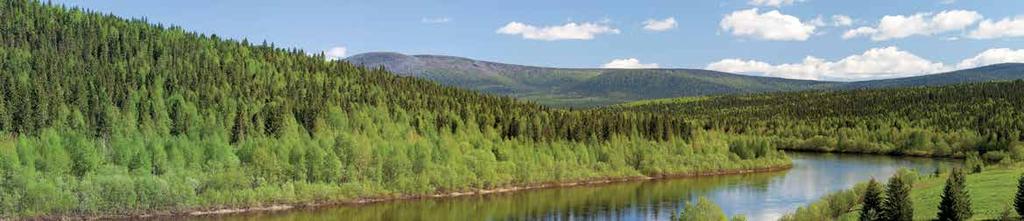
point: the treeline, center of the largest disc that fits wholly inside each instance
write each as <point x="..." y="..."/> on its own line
<point x="103" y="115"/>
<point x="987" y="118"/>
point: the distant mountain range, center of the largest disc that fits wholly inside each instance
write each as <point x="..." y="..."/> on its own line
<point x="586" y="87"/>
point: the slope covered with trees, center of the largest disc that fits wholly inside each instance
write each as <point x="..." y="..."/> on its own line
<point x="103" y="115"/>
<point x="983" y="118"/>
<point x="575" y="87"/>
<point x="591" y="87"/>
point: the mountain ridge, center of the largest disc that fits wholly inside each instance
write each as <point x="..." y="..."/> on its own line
<point x="590" y="87"/>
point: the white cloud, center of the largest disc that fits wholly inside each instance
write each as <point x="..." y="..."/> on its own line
<point x="993" y="56"/>
<point x="773" y="3"/>
<point x="817" y="21"/>
<point x="435" y="20"/>
<point x="628" y="63"/>
<point x="1007" y="27"/>
<point x="771" y="25"/>
<point x="841" y="20"/>
<point x="853" y="33"/>
<point x="569" y="31"/>
<point x="336" y="53"/>
<point x="876" y="63"/>
<point x="900" y="26"/>
<point x="660" y="25"/>
<point x="836" y="21"/>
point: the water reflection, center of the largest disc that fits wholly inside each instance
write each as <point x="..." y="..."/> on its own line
<point x="764" y="196"/>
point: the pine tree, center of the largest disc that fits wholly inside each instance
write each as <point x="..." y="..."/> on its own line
<point x="872" y="201"/>
<point x="956" y="202"/>
<point x="897" y="205"/>
<point x="1018" y="201"/>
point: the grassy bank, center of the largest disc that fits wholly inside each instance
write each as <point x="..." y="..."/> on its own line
<point x="991" y="194"/>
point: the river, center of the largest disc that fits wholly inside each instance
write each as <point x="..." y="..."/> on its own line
<point x="762" y="196"/>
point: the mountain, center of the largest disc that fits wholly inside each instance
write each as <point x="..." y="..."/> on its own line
<point x="579" y="87"/>
<point x="587" y="87"/>
<point x="996" y="72"/>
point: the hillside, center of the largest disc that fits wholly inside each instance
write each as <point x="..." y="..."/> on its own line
<point x="101" y="115"/>
<point x="574" y="87"/>
<point x="950" y="120"/>
<point x="996" y="72"/>
<point x="597" y="87"/>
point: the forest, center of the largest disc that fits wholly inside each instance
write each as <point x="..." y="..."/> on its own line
<point x="947" y="121"/>
<point x="101" y="115"/>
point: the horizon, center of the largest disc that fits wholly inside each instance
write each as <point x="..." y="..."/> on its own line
<point x="684" y="68"/>
<point x="795" y="39"/>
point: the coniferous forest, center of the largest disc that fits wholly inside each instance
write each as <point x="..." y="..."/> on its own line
<point x="101" y="115"/>
<point x="949" y="121"/>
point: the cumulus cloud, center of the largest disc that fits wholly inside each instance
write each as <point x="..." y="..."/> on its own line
<point x="876" y="63"/>
<point x="435" y="20"/>
<point x="336" y="53"/>
<point x="628" y="63"/>
<point x="926" y="24"/>
<point x="993" y="56"/>
<point x="1005" y="28"/>
<point x="771" y="25"/>
<point x="772" y="3"/>
<point x="660" y="25"/>
<point x="569" y="31"/>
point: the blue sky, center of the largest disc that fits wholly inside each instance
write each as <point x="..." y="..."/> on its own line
<point x="757" y="37"/>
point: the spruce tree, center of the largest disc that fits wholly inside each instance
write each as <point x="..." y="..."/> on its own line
<point x="956" y="202"/>
<point x="897" y="204"/>
<point x="1018" y="201"/>
<point x="872" y="202"/>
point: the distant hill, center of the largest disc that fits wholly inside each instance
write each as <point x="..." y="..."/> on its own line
<point x="579" y="87"/>
<point x="996" y="72"/>
<point x="587" y="87"/>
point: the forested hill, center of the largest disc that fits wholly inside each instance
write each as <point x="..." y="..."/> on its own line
<point x="597" y="87"/>
<point x="101" y="115"/>
<point x="575" y="87"/>
<point x="996" y="72"/>
<point x="987" y="118"/>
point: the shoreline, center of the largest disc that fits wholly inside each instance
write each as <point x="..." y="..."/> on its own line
<point x="213" y="211"/>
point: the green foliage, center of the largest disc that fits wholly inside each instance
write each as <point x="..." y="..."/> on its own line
<point x="871" y="208"/>
<point x="974" y="163"/>
<point x="952" y="121"/>
<point x="702" y="210"/>
<point x="103" y="115"/>
<point x="830" y="206"/>
<point x="897" y="204"/>
<point x="1018" y="200"/>
<point x="739" y="217"/>
<point x="956" y="201"/>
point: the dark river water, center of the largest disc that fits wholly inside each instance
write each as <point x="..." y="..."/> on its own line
<point x="763" y="196"/>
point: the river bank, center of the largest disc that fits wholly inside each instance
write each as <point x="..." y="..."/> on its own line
<point x="282" y="207"/>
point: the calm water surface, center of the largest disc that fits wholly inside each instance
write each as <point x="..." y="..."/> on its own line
<point x="764" y="196"/>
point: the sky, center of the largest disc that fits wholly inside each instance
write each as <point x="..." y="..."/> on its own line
<point x="800" y="39"/>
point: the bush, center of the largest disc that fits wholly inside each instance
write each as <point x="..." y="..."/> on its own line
<point x="702" y="210"/>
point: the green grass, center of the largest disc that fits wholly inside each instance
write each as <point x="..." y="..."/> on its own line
<point x="991" y="193"/>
